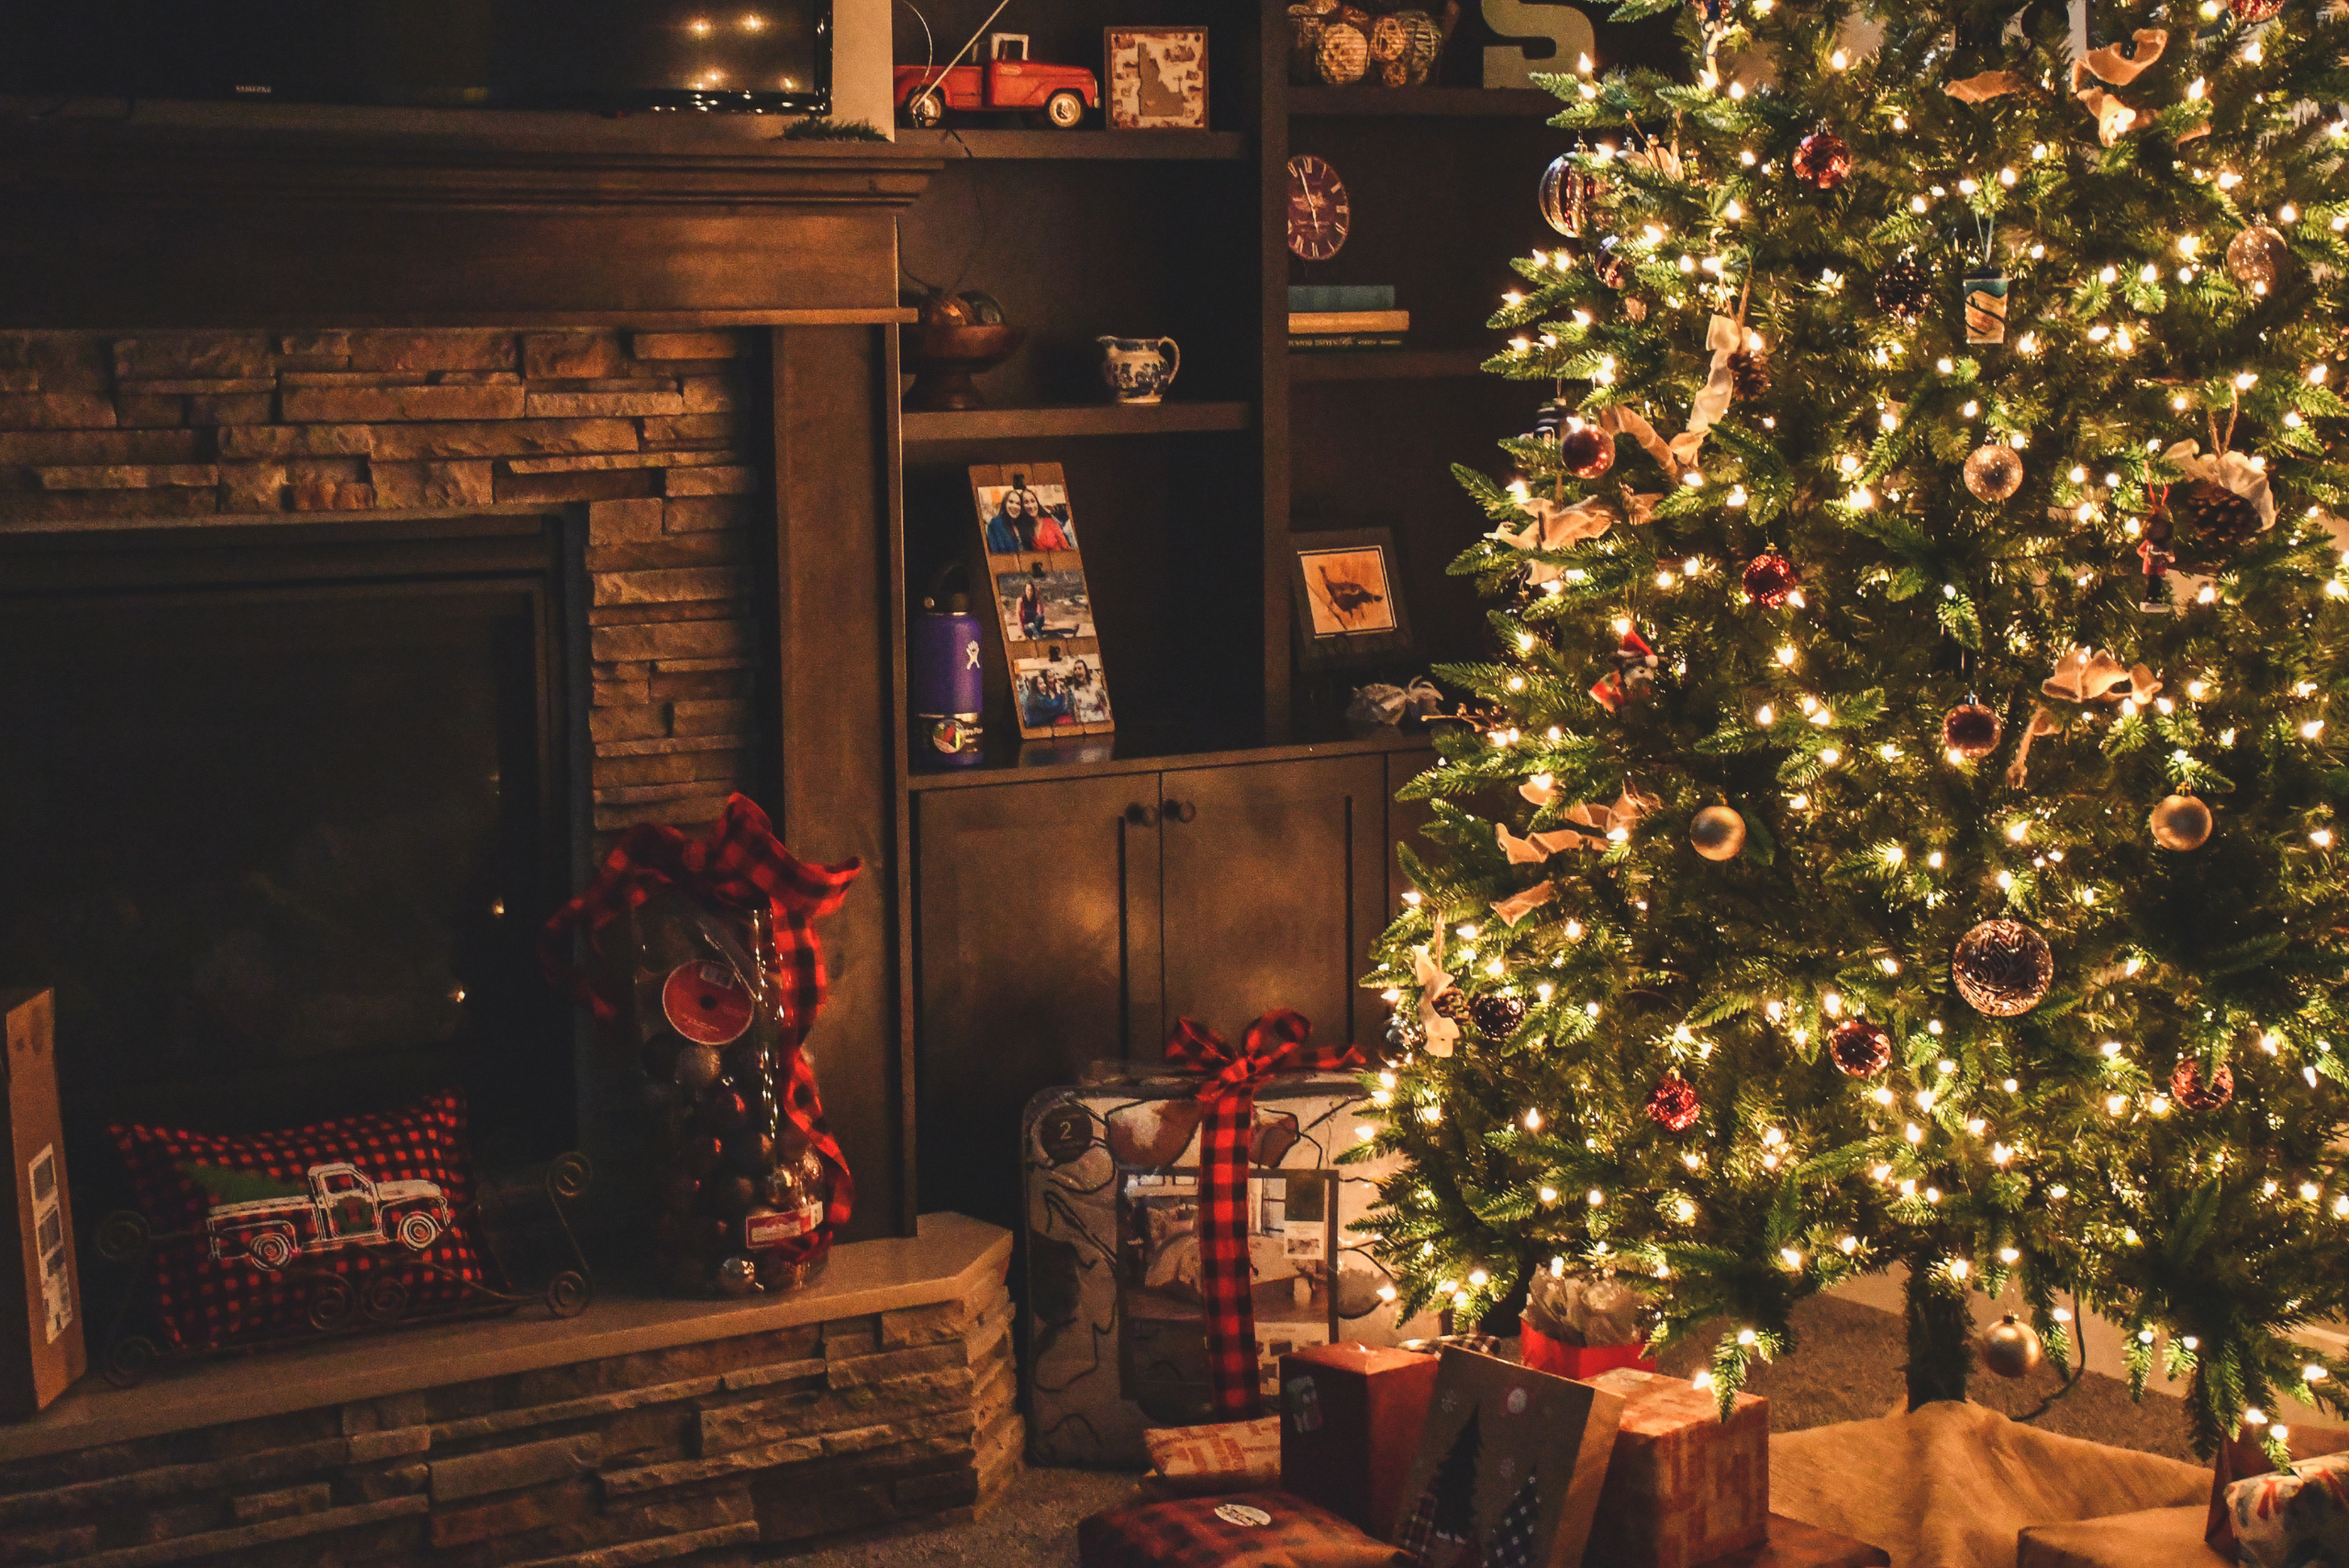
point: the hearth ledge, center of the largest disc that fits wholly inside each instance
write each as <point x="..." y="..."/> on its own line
<point x="951" y="1258"/>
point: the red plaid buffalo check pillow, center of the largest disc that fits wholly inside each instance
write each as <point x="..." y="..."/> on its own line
<point x="262" y="1234"/>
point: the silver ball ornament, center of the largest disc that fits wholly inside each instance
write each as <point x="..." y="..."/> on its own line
<point x="735" y="1277"/>
<point x="2010" y="1347"/>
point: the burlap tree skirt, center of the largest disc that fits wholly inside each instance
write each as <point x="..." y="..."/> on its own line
<point x="1950" y="1487"/>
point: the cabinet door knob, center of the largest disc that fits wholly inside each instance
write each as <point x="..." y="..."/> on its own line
<point x="1142" y="815"/>
<point x="1181" y="811"/>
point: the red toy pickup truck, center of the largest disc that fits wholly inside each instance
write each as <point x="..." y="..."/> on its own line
<point x="1008" y="80"/>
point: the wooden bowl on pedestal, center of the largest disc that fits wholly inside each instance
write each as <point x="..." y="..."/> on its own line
<point x="943" y="359"/>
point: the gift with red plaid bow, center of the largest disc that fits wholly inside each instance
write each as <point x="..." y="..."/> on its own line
<point x="715" y="986"/>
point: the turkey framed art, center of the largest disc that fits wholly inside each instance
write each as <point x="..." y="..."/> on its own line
<point x="1348" y="589"/>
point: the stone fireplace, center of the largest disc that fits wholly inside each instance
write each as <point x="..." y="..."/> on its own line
<point x="565" y="449"/>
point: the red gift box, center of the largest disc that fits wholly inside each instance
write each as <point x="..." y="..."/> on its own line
<point x="1545" y="1354"/>
<point x="1351" y="1416"/>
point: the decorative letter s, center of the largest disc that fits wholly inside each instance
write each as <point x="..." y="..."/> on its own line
<point x="1562" y="24"/>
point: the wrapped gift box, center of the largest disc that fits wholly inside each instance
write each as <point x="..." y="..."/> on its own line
<point x="1116" y="1335"/>
<point x="1206" y="1462"/>
<point x="1251" y="1530"/>
<point x="1684" y="1486"/>
<point x="1351" y="1415"/>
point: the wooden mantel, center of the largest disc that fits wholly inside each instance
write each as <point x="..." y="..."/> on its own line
<point x="281" y="219"/>
<point x="233" y="215"/>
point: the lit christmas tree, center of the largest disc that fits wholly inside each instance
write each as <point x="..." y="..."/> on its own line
<point x="1898" y="829"/>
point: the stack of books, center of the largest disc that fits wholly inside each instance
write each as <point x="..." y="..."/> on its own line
<point x="1344" y="316"/>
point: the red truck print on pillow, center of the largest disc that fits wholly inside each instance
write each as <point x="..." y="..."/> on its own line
<point x="342" y="1207"/>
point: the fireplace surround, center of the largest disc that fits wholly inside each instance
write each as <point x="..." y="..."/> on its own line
<point x="663" y="352"/>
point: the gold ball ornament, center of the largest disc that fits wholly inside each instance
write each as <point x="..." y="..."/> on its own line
<point x="1718" y="833"/>
<point x="2002" y="968"/>
<point x="1994" y="471"/>
<point x="2180" y="822"/>
<point x="2010" y="1347"/>
<point x="2257" y="257"/>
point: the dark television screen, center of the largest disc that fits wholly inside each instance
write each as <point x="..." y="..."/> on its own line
<point x="763" y="54"/>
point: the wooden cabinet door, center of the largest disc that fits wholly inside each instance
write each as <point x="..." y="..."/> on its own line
<point x="1275" y="881"/>
<point x="1036" y="952"/>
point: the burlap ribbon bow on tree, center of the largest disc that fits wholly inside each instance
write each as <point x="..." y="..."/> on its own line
<point x="741" y="866"/>
<point x="1276" y="1043"/>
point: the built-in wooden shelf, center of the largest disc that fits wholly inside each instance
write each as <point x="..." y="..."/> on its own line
<point x="1385" y="364"/>
<point x="1040" y="144"/>
<point x="1148" y="747"/>
<point x="1080" y="419"/>
<point x="1517" y="102"/>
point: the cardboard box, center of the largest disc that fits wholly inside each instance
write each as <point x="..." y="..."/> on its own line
<point x="1684" y="1487"/>
<point x="41" y="1350"/>
<point x="1351" y="1415"/>
<point x="1511" y="1463"/>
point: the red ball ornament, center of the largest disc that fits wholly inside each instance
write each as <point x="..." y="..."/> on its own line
<point x="2188" y="1088"/>
<point x="1586" y="452"/>
<point x="1970" y="731"/>
<point x="1822" y="159"/>
<point x="1860" y="1049"/>
<point x="1769" y="578"/>
<point x="1672" y="1104"/>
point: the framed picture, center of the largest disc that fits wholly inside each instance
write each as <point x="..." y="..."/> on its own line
<point x="1035" y="572"/>
<point x="1349" y="596"/>
<point x="1155" y="79"/>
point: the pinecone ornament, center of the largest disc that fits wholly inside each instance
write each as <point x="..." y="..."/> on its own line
<point x="1496" y="1014"/>
<point x="1749" y="374"/>
<point x="1904" y="289"/>
<point x="2207" y="522"/>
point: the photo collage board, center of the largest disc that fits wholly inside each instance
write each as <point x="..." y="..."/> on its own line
<point x="1035" y="574"/>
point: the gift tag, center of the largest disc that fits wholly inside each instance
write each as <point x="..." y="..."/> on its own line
<point x="1986" y="307"/>
<point x="1242" y="1513"/>
<point x="706" y="1003"/>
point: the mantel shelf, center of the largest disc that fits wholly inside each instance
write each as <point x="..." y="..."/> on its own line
<point x="1385" y="364"/>
<point x="1082" y="419"/>
<point x="1449" y="102"/>
<point x="1160" y="145"/>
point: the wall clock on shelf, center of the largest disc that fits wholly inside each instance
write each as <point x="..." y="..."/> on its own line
<point x="1320" y="211"/>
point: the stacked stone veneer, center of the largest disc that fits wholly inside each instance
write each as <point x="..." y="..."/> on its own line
<point x="718" y="1450"/>
<point x="648" y="430"/>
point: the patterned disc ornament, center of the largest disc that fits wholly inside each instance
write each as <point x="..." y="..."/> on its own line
<point x="2002" y="968"/>
<point x="1860" y="1049"/>
<point x="1716" y="833"/>
<point x="1672" y="1104"/>
<point x="2190" y="1089"/>
<point x="1994" y="471"/>
<point x="1904" y="289"/>
<point x="2256" y="256"/>
<point x="1586" y="452"/>
<point x="1570" y="197"/>
<point x="1822" y="159"/>
<point x="1496" y="1014"/>
<point x="1768" y="579"/>
<point x="2252" y="11"/>
<point x="2181" y="823"/>
<point x="1970" y="731"/>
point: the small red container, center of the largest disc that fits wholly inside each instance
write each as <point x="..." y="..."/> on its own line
<point x="1544" y="1353"/>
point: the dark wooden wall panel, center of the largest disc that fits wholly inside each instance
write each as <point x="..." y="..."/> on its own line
<point x="837" y="725"/>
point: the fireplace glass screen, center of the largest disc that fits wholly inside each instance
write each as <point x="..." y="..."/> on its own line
<point x="282" y="848"/>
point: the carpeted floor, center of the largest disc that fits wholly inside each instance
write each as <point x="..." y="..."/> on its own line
<point x="1846" y="1367"/>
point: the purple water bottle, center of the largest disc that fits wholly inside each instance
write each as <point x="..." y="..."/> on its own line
<point x="944" y="685"/>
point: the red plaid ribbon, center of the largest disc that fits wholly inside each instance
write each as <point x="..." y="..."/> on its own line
<point x="743" y="866"/>
<point x="1276" y="1043"/>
